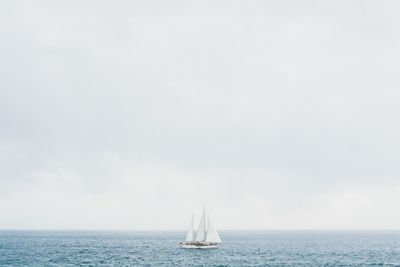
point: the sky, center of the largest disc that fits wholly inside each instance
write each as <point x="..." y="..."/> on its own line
<point x="129" y="115"/>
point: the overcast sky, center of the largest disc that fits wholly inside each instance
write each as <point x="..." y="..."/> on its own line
<point x="131" y="114"/>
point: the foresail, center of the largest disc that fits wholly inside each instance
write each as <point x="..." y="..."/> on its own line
<point x="189" y="235"/>
<point x="212" y="233"/>
<point x="201" y="233"/>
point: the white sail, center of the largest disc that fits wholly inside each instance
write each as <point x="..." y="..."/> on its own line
<point x="201" y="233"/>
<point x="212" y="233"/>
<point x="189" y="235"/>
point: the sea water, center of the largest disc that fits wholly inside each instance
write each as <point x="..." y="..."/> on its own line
<point x="270" y="248"/>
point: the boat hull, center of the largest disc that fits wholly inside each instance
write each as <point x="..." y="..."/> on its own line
<point x="199" y="245"/>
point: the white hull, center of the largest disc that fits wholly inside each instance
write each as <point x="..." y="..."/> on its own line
<point x="200" y="246"/>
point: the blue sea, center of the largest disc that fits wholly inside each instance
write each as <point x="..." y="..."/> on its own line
<point x="270" y="248"/>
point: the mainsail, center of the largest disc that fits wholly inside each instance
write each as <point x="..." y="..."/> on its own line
<point x="189" y="235"/>
<point x="201" y="233"/>
<point x="212" y="233"/>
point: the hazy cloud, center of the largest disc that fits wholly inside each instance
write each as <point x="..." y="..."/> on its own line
<point x="130" y="115"/>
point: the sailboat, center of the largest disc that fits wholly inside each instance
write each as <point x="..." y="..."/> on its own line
<point x="206" y="236"/>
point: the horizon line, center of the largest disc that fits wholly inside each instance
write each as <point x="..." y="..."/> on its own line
<point x="183" y="230"/>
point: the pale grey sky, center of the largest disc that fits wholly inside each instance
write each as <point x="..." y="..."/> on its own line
<point x="132" y="114"/>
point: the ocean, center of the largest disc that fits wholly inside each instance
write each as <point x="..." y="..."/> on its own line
<point x="268" y="248"/>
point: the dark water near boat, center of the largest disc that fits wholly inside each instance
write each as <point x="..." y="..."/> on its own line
<point x="272" y="248"/>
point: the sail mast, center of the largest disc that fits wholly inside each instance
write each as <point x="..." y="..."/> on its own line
<point x="201" y="233"/>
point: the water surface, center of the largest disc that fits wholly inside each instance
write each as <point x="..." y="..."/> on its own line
<point x="270" y="248"/>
